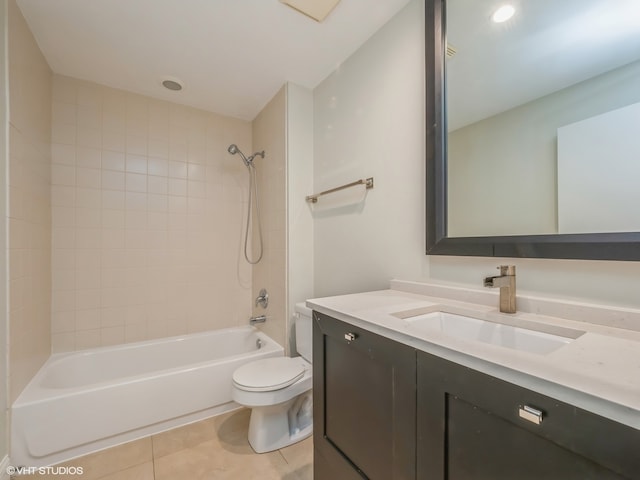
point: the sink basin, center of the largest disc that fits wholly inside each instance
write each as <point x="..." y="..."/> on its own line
<point x="469" y="328"/>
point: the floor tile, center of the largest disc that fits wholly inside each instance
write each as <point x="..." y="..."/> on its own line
<point x="232" y="431"/>
<point x="229" y="456"/>
<point x="172" y="441"/>
<point x="299" y="457"/>
<point x="209" y="461"/>
<point x="212" y="449"/>
<point x="112" y="460"/>
<point x="143" y="471"/>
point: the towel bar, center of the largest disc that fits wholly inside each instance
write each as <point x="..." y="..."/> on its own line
<point x="368" y="182"/>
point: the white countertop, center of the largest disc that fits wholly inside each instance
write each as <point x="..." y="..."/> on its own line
<point x="599" y="371"/>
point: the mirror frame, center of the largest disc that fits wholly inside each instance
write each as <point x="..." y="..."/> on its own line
<point x="591" y="246"/>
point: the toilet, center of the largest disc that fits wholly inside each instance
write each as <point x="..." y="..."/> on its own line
<point x="278" y="391"/>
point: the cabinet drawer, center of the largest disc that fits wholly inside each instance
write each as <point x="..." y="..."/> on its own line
<point x="479" y="423"/>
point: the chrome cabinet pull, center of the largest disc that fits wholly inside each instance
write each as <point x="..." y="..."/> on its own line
<point x="531" y="414"/>
<point x="350" y="337"/>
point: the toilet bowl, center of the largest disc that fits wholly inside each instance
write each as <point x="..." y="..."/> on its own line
<point x="278" y="391"/>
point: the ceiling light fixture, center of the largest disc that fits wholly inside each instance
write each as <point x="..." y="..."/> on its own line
<point x="503" y="14"/>
<point x="172" y="84"/>
<point x="316" y="9"/>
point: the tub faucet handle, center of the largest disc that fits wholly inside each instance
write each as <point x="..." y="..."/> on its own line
<point x="263" y="298"/>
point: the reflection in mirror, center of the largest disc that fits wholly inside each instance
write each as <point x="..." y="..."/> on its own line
<point x="542" y="117"/>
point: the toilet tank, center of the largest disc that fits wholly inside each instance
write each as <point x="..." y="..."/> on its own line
<point x="303" y="331"/>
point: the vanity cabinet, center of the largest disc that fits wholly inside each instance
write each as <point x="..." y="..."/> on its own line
<point x="472" y="426"/>
<point x="383" y="410"/>
<point x="364" y="402"/>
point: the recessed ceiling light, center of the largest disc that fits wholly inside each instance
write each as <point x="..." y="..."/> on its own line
<point x="173" y="85"/>
<point x="503" y="14"/>
<point x="316" y="9"/>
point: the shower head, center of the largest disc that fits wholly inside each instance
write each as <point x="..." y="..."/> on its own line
<point x="233" y="149"/>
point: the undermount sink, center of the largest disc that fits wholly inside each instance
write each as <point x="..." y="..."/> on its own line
<point x="493" y="333"/>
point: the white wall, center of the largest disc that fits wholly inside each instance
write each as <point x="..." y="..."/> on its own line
<point x="598" y="172"/>
<point x="299" y="185"/>
<point x="368" y="121"/>
<point x="502" y="176"/>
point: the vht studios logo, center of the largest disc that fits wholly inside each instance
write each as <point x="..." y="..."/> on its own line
<point x="22" y="470"/>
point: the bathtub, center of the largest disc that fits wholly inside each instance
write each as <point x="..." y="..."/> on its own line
<point x="84" y="401"/>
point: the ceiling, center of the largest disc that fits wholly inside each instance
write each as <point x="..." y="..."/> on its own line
<point x="548" y="45"/>
<point x="232" y="56"/>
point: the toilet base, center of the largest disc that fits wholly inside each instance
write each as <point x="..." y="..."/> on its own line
<point x="276" y="426"/>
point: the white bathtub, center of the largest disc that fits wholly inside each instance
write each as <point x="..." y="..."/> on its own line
<point x="84" y="401"/>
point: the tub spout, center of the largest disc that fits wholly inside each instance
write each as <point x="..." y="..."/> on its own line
<point x="258" y="319"/>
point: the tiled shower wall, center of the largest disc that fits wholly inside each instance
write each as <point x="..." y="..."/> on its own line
<point x="147" y="218"/>
<point x="29" y="204"/>
<point x="269" y="134"/>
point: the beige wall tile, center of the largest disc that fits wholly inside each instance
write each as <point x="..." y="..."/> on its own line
<point x="269" y="135"/>
<point x="131" y="198"/>
<point x="30" y="158"/>
<point x="140" y="186"/>
<point x="63" y="342"/>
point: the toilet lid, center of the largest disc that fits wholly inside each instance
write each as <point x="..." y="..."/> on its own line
<point x="268" y="374"/>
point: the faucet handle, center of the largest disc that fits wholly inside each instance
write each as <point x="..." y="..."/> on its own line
<point x="262" y="299"/>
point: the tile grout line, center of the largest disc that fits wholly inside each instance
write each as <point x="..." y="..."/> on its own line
<point x="283" y="457"/>
<point x="153" y="458"/>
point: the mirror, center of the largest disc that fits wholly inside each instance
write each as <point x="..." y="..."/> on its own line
<point x="531" y="143"/>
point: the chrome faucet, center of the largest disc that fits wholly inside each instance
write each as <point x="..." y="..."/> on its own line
<point x="506" y="281"/>
<point x="258" y="319"/>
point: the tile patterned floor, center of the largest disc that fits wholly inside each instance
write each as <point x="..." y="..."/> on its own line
<point x="213" y="449"/>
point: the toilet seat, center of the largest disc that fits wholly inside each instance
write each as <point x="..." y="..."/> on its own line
<point x="268" y="374"/>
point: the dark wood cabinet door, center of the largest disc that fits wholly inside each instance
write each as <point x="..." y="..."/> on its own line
<point x="364" y="404"/>
<point x="469" y="428"/>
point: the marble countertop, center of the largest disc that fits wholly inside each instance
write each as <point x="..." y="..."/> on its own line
<point x="599" y="371"/>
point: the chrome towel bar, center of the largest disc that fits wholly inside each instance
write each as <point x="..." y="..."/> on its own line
<point x="367" y="182"/>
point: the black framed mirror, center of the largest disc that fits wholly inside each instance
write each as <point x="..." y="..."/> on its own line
<point x="602" y="245"/>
